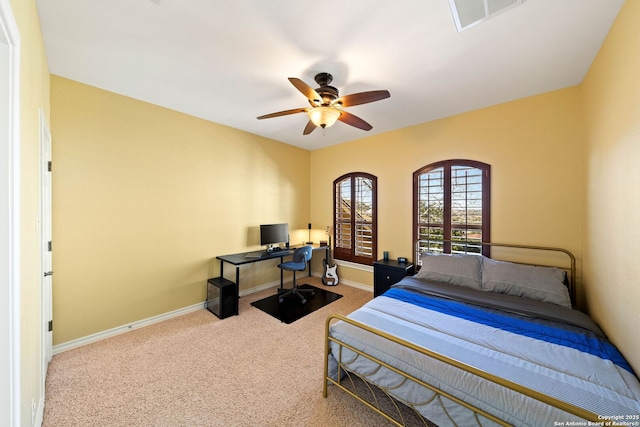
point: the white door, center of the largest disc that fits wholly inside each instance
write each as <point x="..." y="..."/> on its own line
<point x="47" y="244"/>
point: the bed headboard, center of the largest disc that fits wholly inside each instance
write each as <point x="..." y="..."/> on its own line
<point x="522" y="254"/>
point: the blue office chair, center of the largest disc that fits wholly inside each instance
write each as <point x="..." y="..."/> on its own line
<point x="301" y="257"/>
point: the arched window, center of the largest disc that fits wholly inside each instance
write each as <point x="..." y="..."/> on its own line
<point x="355" y="218"/>
<point x="451" y="203"/>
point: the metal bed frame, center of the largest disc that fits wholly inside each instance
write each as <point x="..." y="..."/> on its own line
<point x="346" y="379"/>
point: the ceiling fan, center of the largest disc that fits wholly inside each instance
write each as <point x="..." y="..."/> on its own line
<point x="326" y="104"/>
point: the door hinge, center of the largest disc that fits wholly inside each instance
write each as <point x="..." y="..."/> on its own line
<point x="49" y="245"/>
<point x="49" y="166"/>
<point x="50" y="325"/>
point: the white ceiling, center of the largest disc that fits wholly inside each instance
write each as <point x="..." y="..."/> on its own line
<point x="228" y="61"/>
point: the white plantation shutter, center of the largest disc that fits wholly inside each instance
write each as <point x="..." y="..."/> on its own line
<point x="355" y="218"/>
<point x="452" y="203"/>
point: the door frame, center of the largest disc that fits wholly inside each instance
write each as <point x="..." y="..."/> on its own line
<point x="10" y="403"/>
<point x="46" y="289"/>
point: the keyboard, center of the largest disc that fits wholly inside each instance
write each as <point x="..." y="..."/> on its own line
<point x="254" y="254"/>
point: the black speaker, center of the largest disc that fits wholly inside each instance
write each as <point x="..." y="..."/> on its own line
<point x="222" y="297"/>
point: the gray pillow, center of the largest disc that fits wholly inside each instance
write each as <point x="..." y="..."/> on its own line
<point x="538" y="283"/>
<point x="457" y="269"/>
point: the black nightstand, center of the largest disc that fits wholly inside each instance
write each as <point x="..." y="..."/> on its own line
<point x="388" y="272"/>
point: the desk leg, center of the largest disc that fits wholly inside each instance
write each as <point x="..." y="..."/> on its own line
<point x="281" y="275"/>
<point x="326" y="258"/>
<point x="238" y="281"/>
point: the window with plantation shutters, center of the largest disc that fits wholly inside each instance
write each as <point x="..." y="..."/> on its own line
<point x="451" y="206"/>
<point x="354" y="216"/>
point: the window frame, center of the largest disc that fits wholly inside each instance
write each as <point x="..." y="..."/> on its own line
<point x="447" y="166"/>
<point x="349" y="254"/>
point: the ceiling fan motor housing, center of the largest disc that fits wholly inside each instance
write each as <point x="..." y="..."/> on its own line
<point x="328" y="93"/>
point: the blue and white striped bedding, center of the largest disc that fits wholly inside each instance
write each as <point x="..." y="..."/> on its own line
<point x="562" y="360"/>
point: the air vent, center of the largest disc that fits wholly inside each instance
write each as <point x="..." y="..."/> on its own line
<point x="467" y="13"/>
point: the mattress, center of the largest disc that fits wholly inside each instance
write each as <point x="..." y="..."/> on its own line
<point x="553" y="350"/>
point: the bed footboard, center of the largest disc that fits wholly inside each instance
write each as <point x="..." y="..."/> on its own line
<point x="344" y="380"/>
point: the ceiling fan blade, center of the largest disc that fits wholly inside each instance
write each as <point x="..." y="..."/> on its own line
<point x="354" y="121"/>
<point x="283" y="113"/>
<point x="310" y="127"/>
<point x="362" y="98"/>
<point x="306" y="90"/>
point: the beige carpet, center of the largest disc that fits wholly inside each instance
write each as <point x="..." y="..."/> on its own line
<point x="197" y="370"/>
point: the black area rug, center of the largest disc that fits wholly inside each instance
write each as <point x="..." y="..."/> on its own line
<point x="291" y="309"/>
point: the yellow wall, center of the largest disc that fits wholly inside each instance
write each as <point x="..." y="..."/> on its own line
<point x="612" y="179"/>
<point x="532" y="145"/>
<point x="34" y="96"/>
<point x="145" y="198"/>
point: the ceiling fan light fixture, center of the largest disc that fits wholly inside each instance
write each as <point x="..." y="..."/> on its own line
<point x="324" y="117"/>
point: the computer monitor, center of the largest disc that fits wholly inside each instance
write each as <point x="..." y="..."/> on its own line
<point x="274" y="234"/>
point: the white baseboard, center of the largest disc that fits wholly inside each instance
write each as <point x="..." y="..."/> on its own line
<point x="124" y="328"/>
<point x="166" y="316"/>
<point x="39" y="417"/>
<point x="367" y="288"/>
